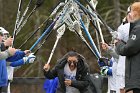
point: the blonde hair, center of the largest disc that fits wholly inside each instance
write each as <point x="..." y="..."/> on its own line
<point x="136" y="8"/>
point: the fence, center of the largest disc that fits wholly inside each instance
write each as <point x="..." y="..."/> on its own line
<point x="35" y="85"/>
<point x="27" y="85"/>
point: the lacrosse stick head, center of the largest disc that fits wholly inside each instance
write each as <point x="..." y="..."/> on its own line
<point x="59" y="21"/>
<point x="56" y="9"/>
<point x="61" y="30"/>
<point x="62" y="15"/>
<point x="69" y="22"/>
<point x="77" y="27"/>
<point x="94" y="3"/>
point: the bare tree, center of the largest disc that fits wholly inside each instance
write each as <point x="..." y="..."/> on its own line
<point x="38" y="35"/>
<point x="1" y="12"/>
<point x="117" y="12"/>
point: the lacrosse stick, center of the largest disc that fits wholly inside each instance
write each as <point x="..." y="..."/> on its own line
<point x="52" y="14"/>
<point x="38" y="4"/>
<point x="97" y="21"/>
<point x="79" y="33"/>
<point x="60" y="32"/>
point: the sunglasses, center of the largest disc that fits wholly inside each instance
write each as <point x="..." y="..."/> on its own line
<point x="72" y="62"/>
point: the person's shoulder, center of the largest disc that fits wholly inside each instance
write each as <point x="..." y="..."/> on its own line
<point x="81" y="56"/>
<point x="135" y="25"/>
<point x="60" y="63"/>
<point x="3" y="60"/>
<point x="136" y="29"/>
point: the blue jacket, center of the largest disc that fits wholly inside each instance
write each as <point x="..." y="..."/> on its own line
<point x="16" y="60"/>
<point x="50" y="85"/>
<point x="3" y="73"/>
<point x="3" y="70"/>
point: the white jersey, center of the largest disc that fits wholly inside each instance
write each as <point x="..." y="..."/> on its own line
<point x="112" y="79"/>
<point x="123" y="34"/>
<point x="121" y="66"/>
<point x="10" y="71"/>
<point x="68" y="74"/>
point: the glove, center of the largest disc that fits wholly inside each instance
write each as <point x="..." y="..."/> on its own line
<point x="103" y="61"/>
<point x="104" y="70"/>
<point x="29" y="59"/>
<point x="114" y="34"/>
<point x="110" y="62"/>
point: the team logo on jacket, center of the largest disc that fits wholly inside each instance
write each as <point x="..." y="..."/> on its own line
<point x="133" y="37"/>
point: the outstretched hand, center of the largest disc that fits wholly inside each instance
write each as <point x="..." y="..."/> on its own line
<point x="27" y="52"/>
<point x="29" y="59"/>
<point x="104" y="46"/>
<point x="46" y="67"/>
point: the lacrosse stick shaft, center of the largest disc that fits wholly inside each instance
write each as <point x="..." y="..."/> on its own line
<point x="25" y="21"/>
<point x="17" y="21"/>
<point x="38" y="4"/>
<point x="25" y="12"/>
<point x="43" y="42"/>
<point x="100" y="31"/>
<point x="60" y="32"/>
<point x="98" y="42"/>
<point x="53" y="12"/>
<point x="105" y="24"/>
<point x="34" y="33"/>
<point x="84" y="40"/>
<point x="52" y="52"/>
<point x="91" y="40"/>
<point x="47" y="31"/>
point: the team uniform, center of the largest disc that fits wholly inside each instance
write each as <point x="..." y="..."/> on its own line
<point x="123" y="34"/>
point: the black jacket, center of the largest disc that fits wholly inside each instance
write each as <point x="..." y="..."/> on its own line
<point x="132" y="52"/>
<point x="81" y="81"/>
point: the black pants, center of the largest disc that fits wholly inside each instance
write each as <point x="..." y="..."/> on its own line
<point x="0" y="89"/>
<point x="112" y="91"/>
<point x="4" y="88"/>
<point x="136" y="90"/>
